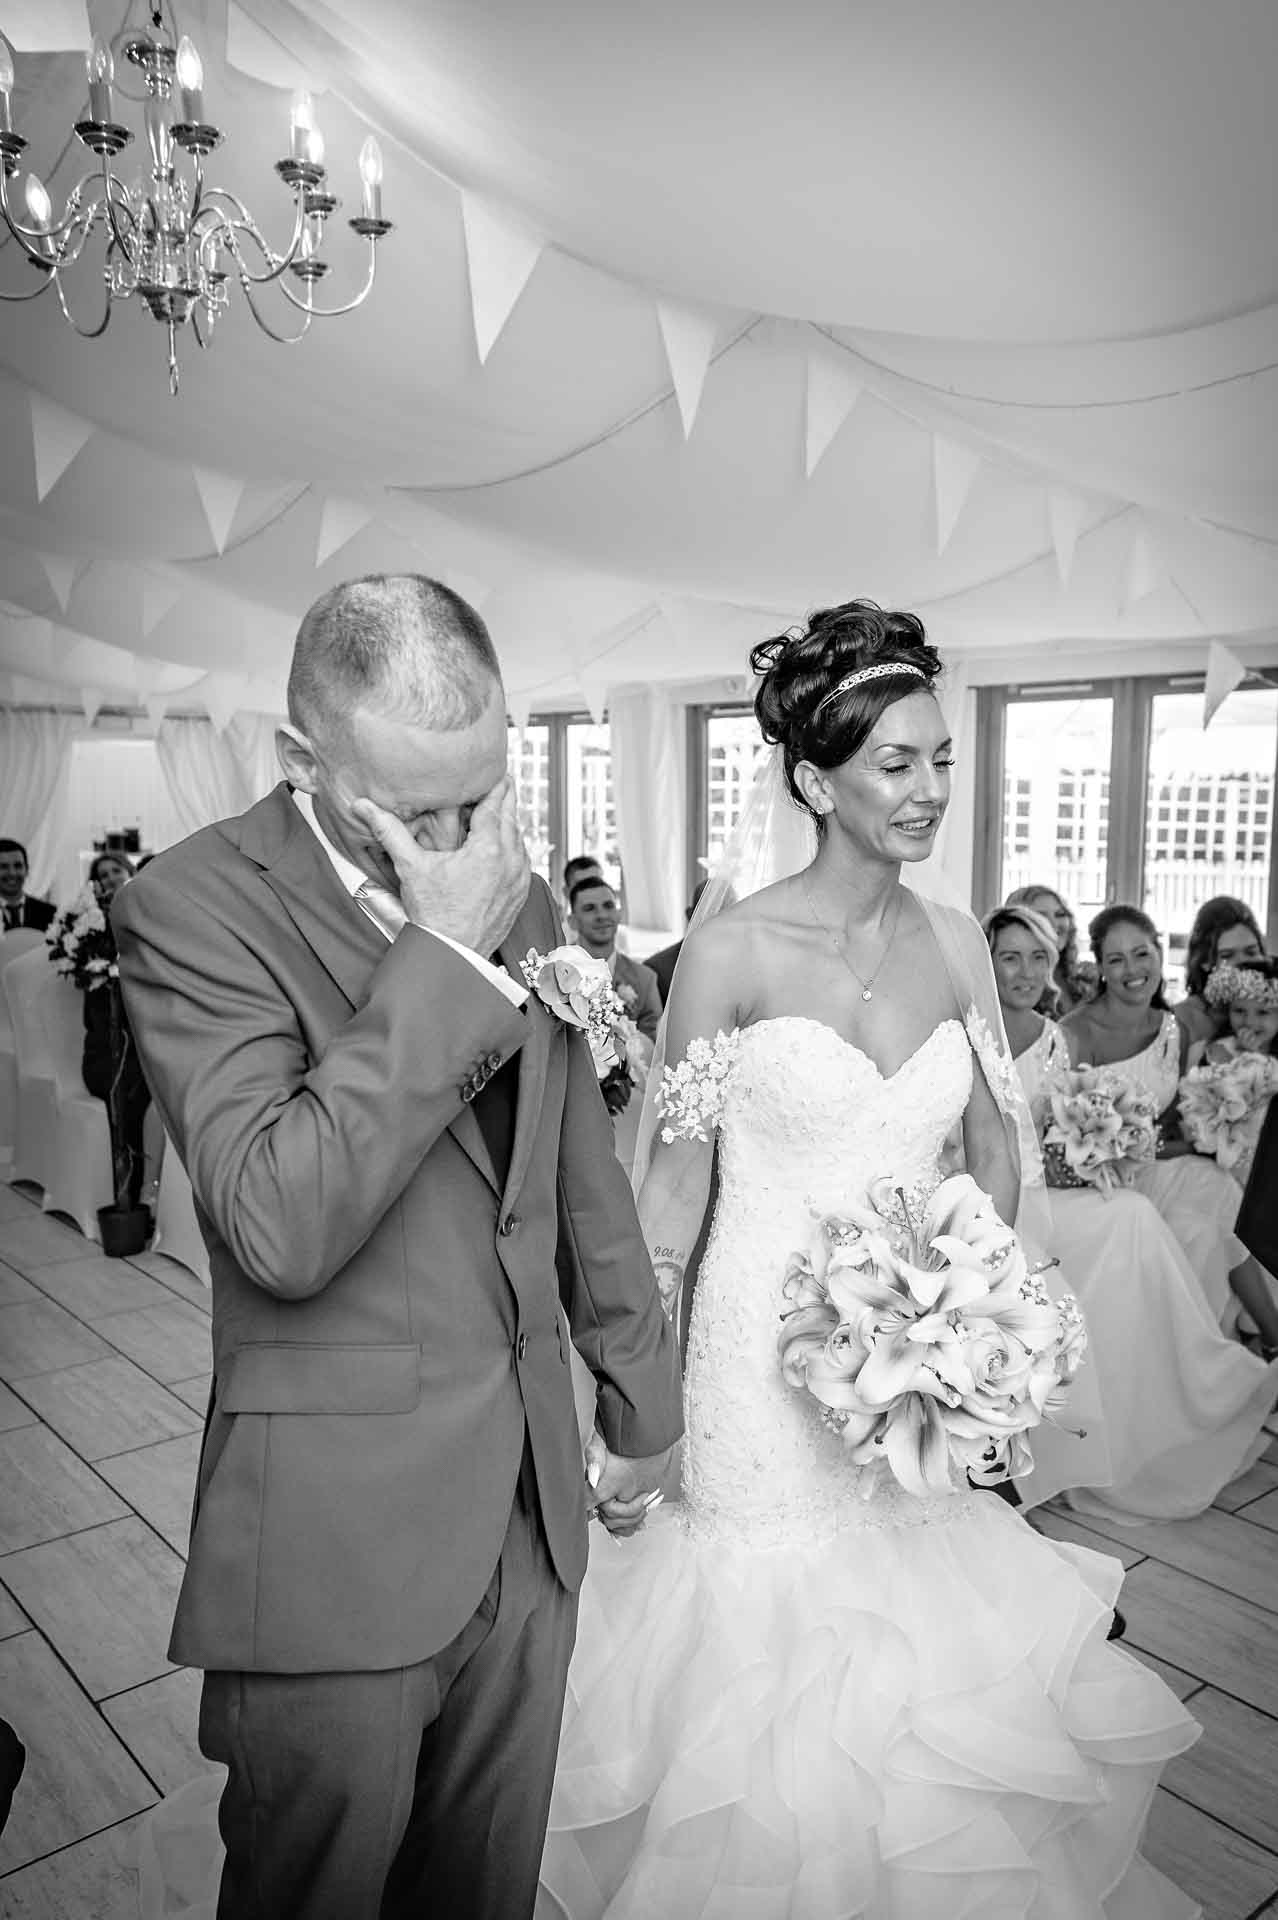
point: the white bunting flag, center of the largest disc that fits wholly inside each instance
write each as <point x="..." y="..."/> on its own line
<point x="60" y="571"/>
<point x="954" y="468"/>
<point x="220" y="496"/>
<point x="689" y="337"/>
<point x="220" y="694"/>
<point x="90" y="703"/>
<point x="1143" y="571"/>
<point x="157" y="705"/>
<point x="518" y="707"/>
<point x="501" y="253"/>
<point x="1225" y="672"/>
<point x="46" y="26"/>
<point x="1066" y="517"/>
<point x="834" y="387"/>
<point x="340" y="521"/>
<point x="593" y="688"/>
<point x="57" y="435"/>
<point x="159" y="597"/>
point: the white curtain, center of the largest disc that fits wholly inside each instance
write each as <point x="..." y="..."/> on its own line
<point x="35" y="771"/>
<point x="214" y="775"/>
<point x="250" y="738"/>
<point x="955" y="843"/>
<point x="649" y="783"/>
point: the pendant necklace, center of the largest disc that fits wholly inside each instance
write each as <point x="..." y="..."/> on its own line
<point x="866" y="985"/>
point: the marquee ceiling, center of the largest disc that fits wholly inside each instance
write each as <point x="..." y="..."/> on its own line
<point x="973" y="309"/>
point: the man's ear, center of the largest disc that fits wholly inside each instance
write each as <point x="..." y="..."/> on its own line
<point x="296" y="757"/>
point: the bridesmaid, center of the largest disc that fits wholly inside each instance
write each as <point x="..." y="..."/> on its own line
<point x="1224" y="929"/>
<point x="1129" y="1025"/>
<point x="1198" y="1419"/>
<point x="1070" y="981"/>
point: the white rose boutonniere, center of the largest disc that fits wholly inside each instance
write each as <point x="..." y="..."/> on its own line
<point x="577" y="989"/>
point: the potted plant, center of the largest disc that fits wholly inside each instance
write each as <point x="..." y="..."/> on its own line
<point x="82" y="947"/>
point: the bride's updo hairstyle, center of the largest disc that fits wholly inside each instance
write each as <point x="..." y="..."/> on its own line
<point x="799" y="704"/>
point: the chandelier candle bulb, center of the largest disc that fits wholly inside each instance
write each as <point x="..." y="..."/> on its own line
<point x="301" y="125"/>
<point x="190" y="79"/>
<point x="370" y="172"/>
<point x="101" y="70"/>
<point x="6" y="86"/>
<point x="314" y="147"/>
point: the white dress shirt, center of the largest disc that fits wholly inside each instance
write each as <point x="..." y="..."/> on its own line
<point x="358" y="885"/>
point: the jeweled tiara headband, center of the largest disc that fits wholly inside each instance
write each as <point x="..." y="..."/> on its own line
<point x="885" y="670"/>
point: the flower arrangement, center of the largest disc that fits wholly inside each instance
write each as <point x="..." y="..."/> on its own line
<point x="81" y="945"/>
<point x="579" y="990"/>
<point x="1228" y="985"/>
<point x="1222" y="1107"/>
<point x="1099" y="1129"/>
<point x="930" y="1345"/>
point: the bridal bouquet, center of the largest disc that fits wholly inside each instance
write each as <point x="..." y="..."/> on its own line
<point x="931" y="1345"/>
<point x="81" y="946"/>
<point x="1222" y="1107"/>
<point x="1099" y="1129"/>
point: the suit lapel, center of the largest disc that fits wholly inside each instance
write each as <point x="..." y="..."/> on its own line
<point x="533" y="1060"/>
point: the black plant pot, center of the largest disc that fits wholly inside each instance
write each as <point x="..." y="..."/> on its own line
<point x="124" y="1230"/>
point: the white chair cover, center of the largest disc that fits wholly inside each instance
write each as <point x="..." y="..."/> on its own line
<point x="79" y="1176"/>
<point x="11" y="945"/>
<point x="177" y="1231"/>
<point x="35" y="1133"/>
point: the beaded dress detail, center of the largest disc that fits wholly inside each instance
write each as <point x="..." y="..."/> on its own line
<point x="793" y="1702"/>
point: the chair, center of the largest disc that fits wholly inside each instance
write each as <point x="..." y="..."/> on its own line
<point x="11" y="945"/>
<point x="80" y="1178"/>
<point x="177" y="1230"/>
<point x="35" y="1132"/>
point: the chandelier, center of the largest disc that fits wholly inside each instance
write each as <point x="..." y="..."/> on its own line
<point x="170" y="237"/>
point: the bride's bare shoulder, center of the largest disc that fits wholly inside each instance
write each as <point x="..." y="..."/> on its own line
<point x="753" y="924"/>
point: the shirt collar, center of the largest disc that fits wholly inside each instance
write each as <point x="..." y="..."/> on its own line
<point x="351" y="876"/>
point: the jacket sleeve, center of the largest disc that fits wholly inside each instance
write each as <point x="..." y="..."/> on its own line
<point x="606" y="1279"/>
<point x="648" y="1014"/>
<point x="293" y="1159"/>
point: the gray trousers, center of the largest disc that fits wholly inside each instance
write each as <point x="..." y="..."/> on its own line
<point x="409" y="1794"/>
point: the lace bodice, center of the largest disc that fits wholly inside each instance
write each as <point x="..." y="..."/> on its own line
<point x="807" y="1122"/>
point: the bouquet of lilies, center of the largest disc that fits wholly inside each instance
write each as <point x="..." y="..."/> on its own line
<point x="1222" y="1107"/>
<point x="82" y="946"/>
<point x="929" y="1342"/>
<point x="1099" y="1130"/>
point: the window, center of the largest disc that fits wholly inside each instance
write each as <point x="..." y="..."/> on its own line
<point x="528" y="754"/>
<point x="1057" y="752"/>
<point x="589" y="809"/>
<point x="562" y="766"/>
<point x="732" y="751"/>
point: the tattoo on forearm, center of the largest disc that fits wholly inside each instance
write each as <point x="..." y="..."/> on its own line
<point x="669" y="1275"/>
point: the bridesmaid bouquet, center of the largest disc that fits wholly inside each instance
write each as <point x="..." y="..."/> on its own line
<point x="1222" y="1107"/>
<point x="931" y="1345"/>
<point x="1099" y="1130"/>
<point x="82" y="947"/>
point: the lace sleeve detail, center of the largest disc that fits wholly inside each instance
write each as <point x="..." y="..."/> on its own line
<point x="690" y="1098"/>
<point x="997" y="1064"/>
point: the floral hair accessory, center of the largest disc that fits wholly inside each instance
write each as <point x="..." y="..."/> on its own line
<point x="1255" y="985"/>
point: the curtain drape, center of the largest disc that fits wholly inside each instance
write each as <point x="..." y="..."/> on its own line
<point x="213" y="775"/>
<point x="649" y="783"/>
<point x="35" y="772"/>
<point x="956" y="840"/>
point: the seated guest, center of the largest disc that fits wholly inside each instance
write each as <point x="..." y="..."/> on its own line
<point x="107" y="875"/>
<point x="595" y="914"/>
<point x="20" y="908"/>
<point x="1224" y="930"/>
<point x="1073" y="980"/>
<point x="1166" y="1452"/>
<point x="581" y="865"/>
<point x="664" y="963"/>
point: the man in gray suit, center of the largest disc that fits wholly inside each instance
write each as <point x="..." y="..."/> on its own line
<point x="394" y="1150"/>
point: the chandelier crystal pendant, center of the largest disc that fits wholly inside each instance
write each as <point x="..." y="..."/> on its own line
<point x="170" y="237"/>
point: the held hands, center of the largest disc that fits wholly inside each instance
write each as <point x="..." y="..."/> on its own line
<point x="622" y="1491"/>
<point x="474" y="893"/>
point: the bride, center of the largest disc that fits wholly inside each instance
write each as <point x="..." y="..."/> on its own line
<point x="788" y="1699"/>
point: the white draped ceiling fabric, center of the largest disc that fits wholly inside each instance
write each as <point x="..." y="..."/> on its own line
<point x="693" y="318"/>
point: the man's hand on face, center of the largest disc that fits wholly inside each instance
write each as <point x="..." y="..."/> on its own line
<point x="473" y="894"/>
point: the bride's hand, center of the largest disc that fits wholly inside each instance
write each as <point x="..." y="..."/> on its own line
<point x="623" y="1491"/>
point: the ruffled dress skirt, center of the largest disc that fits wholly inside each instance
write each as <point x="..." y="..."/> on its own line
<point x="909" y="1722"/>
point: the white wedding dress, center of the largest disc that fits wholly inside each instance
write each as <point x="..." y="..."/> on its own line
<point x="1183" y="1406"/>
<point x="789" y="1702"/>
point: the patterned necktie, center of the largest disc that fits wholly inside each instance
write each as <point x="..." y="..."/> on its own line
<point x="384" y="908"/>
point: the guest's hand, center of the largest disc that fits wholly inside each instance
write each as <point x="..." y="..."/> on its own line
<point x="1173" y="1149"/>
<point x="623" y="1491"/>
<point x="473" y="893"/>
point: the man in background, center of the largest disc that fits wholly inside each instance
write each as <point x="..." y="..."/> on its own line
<point x="20" y="908"/>
<point x="596" y="913"/>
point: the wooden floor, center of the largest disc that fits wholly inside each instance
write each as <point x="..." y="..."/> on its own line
<point x="103" y="1383"/>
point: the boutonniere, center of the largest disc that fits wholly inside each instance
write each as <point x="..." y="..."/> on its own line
<point x="626" y="994"/>
<point x="577" y="989"/>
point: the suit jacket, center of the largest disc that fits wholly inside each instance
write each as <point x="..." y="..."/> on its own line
<point x="386" y="1322"/>
<point x="663" y="964"/>
<point x="36" y="913"/>
<point x="1257" y="1225"/>
<point x="642" y="981"/>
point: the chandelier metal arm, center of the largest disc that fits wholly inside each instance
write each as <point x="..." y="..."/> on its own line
<point x="85" y="333"/>
<point x="272" y="333"/>
<point x="244" y="224"/>
<point x="335" y="313"/>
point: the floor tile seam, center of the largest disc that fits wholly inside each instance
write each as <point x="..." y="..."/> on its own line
<point x="1231" y="1593"/>
<point x="77" y="1533"/>
<point x="1238" y="1699"/>
<point x="83" y="1691"/>
<point x="40" y="1858"/>
<point x="1185" y="1801"/>
<point x="144" y="1446"/>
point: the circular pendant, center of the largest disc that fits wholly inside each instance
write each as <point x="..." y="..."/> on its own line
<point x="867" y="995"/>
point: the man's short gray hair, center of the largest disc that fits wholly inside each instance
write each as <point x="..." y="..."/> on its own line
<point x="395" y="644"/>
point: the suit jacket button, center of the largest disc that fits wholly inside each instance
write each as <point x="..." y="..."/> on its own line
<point x="521" y="1347"/>
<point x="508" y="1225"/>
<point x="493" y="1062"/>
<point x="467" y="1093"/>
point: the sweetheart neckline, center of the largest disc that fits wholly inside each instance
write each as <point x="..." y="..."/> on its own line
<point x="823" y="1026"/>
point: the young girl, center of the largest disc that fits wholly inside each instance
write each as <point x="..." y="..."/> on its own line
<point x="1247" y="995"/>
